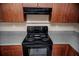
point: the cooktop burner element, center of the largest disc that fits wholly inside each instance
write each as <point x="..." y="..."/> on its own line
<point x="37" y="38"/>
<point x="33" y="37"/>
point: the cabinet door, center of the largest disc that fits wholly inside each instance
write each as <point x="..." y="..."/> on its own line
<point x="65" y="13"/>
<point x="0" y="14"/>
<point x="72" y="51"/>
<point x="29" y="4"/>
<point x="59" y="49"/>
<point x="45" y="5"/>
<point x="12" y="12"/>
<point x="12" y="50"/>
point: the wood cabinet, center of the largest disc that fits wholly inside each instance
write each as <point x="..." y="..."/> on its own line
<point x="65" y="13"/>
<point x="64" y="50"/>
<point x="60" y="49"/>
<point x="45" y="5"/>
<point x="61" y="12"/>
<point x="0" y="14"/>
<point x="72" y="52"/>
<point x="38" y="5"/>
<point x="12" y="12"/>
<point x="29" y="4"/>
<point x="57" y="50"/>
<point x="11" y="50"/>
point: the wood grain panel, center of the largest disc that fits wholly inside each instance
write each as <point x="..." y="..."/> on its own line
<point x="45" y="5"/>
<point x="38" y="5"/>
<point x="72" y="51"/>
<point x="29" y="4"/>
<point x="12" y="12"/>
<point x="11" y="50"/>
<point x="0" y="13"/>
<point x="60" y="49"/>
<point x="65" y="13"/>
<point x="64" y="50"/>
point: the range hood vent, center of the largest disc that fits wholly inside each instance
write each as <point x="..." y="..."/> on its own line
<point x="37" y="11"/>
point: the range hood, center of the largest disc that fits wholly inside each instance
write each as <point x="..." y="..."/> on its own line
<point x="37" y="11"/>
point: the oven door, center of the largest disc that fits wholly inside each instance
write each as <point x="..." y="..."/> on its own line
<point x="37" y="51"/>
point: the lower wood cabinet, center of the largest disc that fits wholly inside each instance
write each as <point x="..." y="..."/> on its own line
<point x="11" y="50"/>
<point x="72" y="52"/>
<point x="58" y="50"/>
<point x="64" y="50"/>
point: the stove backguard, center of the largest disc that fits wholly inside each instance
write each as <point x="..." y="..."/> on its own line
<point x="37" y="29"/>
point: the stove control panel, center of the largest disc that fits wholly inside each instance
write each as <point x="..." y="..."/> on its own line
<point x="37" y="29"/>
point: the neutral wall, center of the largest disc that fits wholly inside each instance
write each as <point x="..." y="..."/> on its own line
<point x="52" y="27"/>
<point x="37" y="18"/>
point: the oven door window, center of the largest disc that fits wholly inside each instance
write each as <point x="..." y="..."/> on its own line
<point x="37" y="51"/>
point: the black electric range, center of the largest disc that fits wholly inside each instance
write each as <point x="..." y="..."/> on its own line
<point x="37" y="42"/>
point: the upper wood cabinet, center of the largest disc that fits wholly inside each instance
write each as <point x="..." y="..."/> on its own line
<point x="29" y="4"/>
<point x="61" y="12"/>
<point x="38" y="5"/>
<point x="45" y="5"/>
<point x="0" y="14"/>
<point x="65" y="13"/>
<point x="12" y="12"/>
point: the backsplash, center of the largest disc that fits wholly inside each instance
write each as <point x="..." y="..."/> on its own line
<point x="12" y="26"/>
<point x="37" y="18"/>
